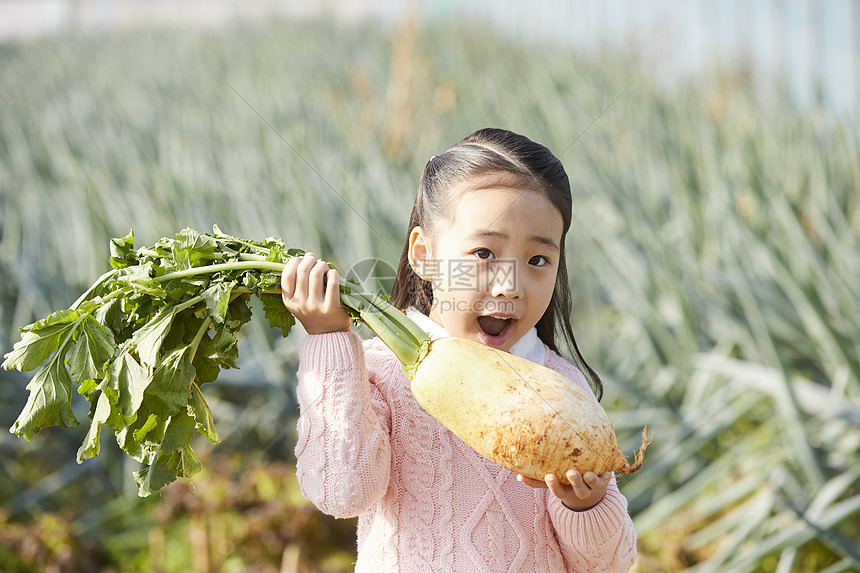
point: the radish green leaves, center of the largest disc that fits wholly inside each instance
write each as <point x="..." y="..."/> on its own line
<point x="140" y="343"/>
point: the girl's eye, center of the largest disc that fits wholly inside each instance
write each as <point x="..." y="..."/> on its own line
<point x="539" y="261"/>
<point x="484" y="254"/>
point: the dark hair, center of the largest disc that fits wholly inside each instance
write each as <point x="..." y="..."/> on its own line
<point x="490" y="151"/>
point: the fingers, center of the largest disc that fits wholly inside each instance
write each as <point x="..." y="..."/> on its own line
<point x="531" y="482"/>
<point x="332" y="289"/>
<point x="584" y="485"/>
<point x="302" y="282"/>
<point x="311" y="291"/>
<point x="288" y="280"/>
<point x="309" y="283"/>
<point x="581" y="484"/>
<point x="584" y="492"/>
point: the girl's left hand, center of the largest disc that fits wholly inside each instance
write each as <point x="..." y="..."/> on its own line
<point x="585" y="491"/>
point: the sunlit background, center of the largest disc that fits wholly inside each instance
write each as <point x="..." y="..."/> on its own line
<point x="715" y="251"/>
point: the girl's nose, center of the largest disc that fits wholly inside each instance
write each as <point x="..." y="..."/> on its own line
<point x="503" y="281"/>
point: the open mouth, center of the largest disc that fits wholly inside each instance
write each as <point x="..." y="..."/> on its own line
<point x="495" y="328"/>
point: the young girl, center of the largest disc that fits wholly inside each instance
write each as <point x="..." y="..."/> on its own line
<point x="485" y="261"/>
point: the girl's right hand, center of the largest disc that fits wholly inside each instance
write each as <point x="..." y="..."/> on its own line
<point x="311" y="291"/>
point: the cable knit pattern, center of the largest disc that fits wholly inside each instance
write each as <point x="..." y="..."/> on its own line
<point x="425" y="500"/>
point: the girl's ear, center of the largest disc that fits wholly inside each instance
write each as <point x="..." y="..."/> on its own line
<point x="419" y="253"/>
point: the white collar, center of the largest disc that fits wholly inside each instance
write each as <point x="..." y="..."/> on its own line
<point x="529" y="346"/>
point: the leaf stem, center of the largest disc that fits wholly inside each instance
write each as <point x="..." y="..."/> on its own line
<point x="233" y="266"/>
<point x="405" y="338"/>
<point x="399" y="333"/>
<point x="188" y="303"/>
<point x="199" y="336"/>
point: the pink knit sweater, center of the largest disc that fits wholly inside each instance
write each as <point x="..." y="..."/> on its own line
<point x="425" y="500"/>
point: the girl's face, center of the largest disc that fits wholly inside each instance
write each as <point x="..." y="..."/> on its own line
<point x="493" y="269"/>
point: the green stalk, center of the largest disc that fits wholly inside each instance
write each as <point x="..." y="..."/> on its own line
<point x="199" y="336"/>
<point x="238" y="265"/>
<point x="397" y="331"/>
<point x="395" y="315"/>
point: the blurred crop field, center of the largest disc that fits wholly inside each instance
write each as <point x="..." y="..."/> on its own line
<point x="715" y="257"/>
